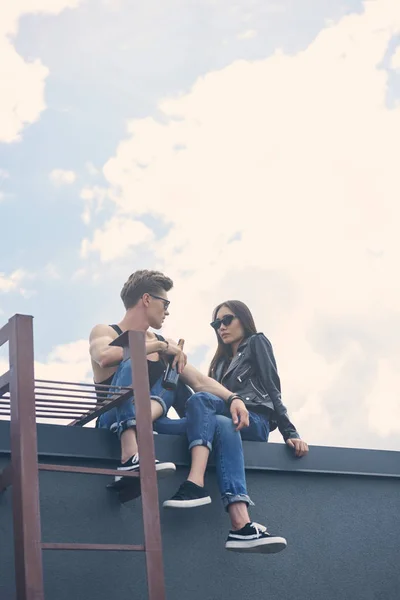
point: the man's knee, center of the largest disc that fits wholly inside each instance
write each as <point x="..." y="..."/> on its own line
<point x="162" y="404"/>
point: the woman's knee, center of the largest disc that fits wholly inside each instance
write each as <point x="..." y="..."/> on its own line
<point x="225" y="424"/>
<point x="198" y="400"/>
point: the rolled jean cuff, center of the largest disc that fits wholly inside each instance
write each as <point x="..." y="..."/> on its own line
<point x="162" y="403"/>
<point x="124" y="425"/>
<point x="228" y="499"/>
<point x="200" y="443"/>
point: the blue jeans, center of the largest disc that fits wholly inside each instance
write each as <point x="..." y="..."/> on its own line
<point x="122" y="417"/>
<point x="209" y="424"/>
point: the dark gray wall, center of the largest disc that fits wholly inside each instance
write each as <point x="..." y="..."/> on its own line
<point x="338" y="508"/>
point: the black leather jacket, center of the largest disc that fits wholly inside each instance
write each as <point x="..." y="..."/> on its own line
<point x="253" y="375"/>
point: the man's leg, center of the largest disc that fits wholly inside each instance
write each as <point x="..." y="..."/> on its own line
<point x="168" y="426"/>
<point x="122" y="420"/>
<point x="128" y="437"/>
<point x="171" y="426"/>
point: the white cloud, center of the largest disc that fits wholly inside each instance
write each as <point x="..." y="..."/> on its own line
<point x="79" y="274"/>
<point x="94" y="198"/>
<point x="4" y="174"/>
<point x="117" y="238"/>
<point x="247" y="35"/>
<point x="61" y="177"/>
<point x="68" y="362"/>
<point x="387" y="386"/>
<point x="22" y="90"/>
<point x="395" y="62"/>
<point x="297" y="157"/>
<point x="113" y="5"/>
<point x="51" y="271"/>
<point x="12" y="282"/>
<point x="91" y="169"/>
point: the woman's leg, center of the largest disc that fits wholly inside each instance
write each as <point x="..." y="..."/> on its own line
<point x="229" y="462"/>
<point x="258" y="429"/>
<point x="231" y="477"/>
<point x="201" y="411"/>
<point x="244" y="536"/>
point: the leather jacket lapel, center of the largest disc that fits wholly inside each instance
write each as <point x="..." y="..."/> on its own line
<point x="219" y="370"/>
<point x="236" y="360"/>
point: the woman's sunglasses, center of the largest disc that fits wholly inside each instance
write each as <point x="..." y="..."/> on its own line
<point x="226" y="320"/>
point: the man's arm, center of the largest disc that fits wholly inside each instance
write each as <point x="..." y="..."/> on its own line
<point x="201" y="383"/>
<point x="110" y="356"/>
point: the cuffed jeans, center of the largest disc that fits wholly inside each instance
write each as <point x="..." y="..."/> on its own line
<point x="207" y="423"/>
<point x="122" y="417"/>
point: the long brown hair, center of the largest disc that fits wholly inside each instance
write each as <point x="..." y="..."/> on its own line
<point x="242" y="312"/>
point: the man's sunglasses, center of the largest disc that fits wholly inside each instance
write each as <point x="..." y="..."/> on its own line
<point x="166" y="302"/>
<point x="226" y="320"/>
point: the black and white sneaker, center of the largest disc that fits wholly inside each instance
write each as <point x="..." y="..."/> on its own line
<point x="162" y="469"/>
<point x="189" y="495"/>
<point x="254" y="537"/>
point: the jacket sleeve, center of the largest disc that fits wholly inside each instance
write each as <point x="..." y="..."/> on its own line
<point x="267" y="371"/>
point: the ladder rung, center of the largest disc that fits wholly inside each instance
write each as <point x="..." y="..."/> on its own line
<point x="109" y="547"/>
<point x="89" y="470"/>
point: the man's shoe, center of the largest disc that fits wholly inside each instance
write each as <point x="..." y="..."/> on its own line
<point x="162" y="469"/>
<point x="254" y="537"/>
<point x="189" y="495"/>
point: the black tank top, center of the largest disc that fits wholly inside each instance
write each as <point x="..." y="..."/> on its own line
<point x="156" y="370"/>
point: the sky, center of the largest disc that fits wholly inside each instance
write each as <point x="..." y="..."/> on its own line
<point x="247" y="149"/>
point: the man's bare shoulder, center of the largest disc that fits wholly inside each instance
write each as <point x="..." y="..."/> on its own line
<point x="102" y="330"/>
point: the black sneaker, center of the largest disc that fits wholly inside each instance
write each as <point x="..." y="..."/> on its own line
<point x="163" y="469"/>
<point x="189" y="495"/>
<point x="254" y="537"/>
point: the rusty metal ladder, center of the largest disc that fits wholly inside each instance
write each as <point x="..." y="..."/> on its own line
<point x="23" y="471"/>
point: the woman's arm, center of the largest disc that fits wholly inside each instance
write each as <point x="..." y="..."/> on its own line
<point x="202" y="383"/>
<point x="268" y="373"/>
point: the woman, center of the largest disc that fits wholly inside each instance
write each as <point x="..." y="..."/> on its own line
<point x="243" y="363"/>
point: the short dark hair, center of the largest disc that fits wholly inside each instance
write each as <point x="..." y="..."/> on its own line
<point x="144" y="282"/>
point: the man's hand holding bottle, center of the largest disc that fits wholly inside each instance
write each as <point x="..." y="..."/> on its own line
<point x="175" y="349"/>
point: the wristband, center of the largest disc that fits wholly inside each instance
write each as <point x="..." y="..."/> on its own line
<point x="233" y="397"/>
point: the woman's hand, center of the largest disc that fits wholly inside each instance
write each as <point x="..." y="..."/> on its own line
<point x="180" y="358"/>
<point x="300" y="447"/>
<point x="240" y="414"/>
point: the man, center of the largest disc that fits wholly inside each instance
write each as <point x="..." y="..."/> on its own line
<point x="146" y="303"/>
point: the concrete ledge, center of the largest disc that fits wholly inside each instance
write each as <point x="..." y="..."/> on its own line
<point x="342" y="530"/>
<point x="94" y="444"/>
